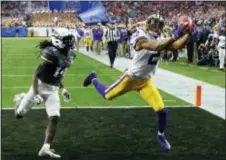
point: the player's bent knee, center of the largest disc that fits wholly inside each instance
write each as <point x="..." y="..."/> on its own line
<point x="158" y="108"/>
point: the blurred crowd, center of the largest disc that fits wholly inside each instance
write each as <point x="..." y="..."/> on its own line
<point x="16" y="13"/>
<point x="170" y="10"/>
<point x="49" y="19"/>
<point x="35" y="13"/>
<point x="203" y="48"/>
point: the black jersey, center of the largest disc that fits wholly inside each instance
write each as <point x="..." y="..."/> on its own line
<point x="56" y="64"/>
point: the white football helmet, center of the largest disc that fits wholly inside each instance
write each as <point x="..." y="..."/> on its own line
<point x="63" y="38"/>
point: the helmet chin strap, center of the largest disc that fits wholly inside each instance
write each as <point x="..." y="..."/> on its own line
<point x="150" y="32"/>
<point x="154" y="34"/>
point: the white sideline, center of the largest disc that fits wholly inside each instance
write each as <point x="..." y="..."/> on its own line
<point x="107" y="107"/>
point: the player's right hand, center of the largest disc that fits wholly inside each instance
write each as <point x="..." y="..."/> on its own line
<point x="66" y="95"/>
<point x="38" y="99"/>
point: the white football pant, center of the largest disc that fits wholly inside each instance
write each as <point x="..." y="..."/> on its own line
<point x="221" y="57"/>
<point x="50" y="95"/>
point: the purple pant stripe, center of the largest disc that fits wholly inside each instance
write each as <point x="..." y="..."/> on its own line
<point x="116" y="83"/>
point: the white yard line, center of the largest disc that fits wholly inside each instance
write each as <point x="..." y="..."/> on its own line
<point x="217" y="70"/>
<point x="103" y="107"/>
<point x="19" y="58"/>
<point x="19" y="67"/>
<point x="12" y="54"/>
<point x="204" y="68"/>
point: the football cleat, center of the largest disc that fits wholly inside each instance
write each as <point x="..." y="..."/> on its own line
<point x="89" y="79"/>
<point x="17" y="99"/>
<point x="163" y="142"/>
<point x="46" y="151"/>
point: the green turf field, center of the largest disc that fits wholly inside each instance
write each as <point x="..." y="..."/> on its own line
<point x="100" y="134"/>
<point x="19" y="62"/>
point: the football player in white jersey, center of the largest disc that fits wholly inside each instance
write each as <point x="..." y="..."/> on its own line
<point x="145" y="62"/>
<point x="221" y="48"/>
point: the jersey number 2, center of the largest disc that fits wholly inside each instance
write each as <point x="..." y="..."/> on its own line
<point x="153" y="59"/>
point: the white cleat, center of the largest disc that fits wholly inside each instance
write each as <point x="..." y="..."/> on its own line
<point x="17" y="99"/>
<point x="46" y="151"/>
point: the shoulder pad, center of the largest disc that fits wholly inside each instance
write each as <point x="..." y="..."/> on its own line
<point x="136" y="36"/>
<point x="49" y="54"/>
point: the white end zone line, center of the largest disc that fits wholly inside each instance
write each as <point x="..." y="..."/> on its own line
<point x="105" y="107"/>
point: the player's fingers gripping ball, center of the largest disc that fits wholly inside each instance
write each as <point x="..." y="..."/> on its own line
<point x="185" y="22"/>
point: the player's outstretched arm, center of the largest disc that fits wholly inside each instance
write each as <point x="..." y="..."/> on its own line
<point x="179" y="43"/>
<point x="154" y="45"/>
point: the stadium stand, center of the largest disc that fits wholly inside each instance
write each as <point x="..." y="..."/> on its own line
<point x="207" y="16"/>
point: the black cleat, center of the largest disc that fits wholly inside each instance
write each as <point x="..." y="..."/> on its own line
<point x="89" y="79"/>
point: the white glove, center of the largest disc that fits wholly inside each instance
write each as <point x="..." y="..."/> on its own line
<point x="66" y="95"/>
<point x="38" y="99"/>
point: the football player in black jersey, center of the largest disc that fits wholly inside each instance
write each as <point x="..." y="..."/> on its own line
<point x="57" y="56"/>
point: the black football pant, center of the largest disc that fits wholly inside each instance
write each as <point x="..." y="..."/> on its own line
<point x="112" y="49"/>
<point x="190" y="50"/>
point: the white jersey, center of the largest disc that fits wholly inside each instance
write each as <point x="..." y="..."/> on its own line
<point x="221" y="43"/>
<point x="144" y="63"/>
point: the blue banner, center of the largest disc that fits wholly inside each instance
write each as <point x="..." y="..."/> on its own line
<point x="14" y="31"/>
<point x="95" y="15"/>
<point x="86" y="5"/>
<point x="71" y="4"/>
<point x="56" y="5"/>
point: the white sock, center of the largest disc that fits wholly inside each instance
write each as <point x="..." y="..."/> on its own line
<point x="46" y="145"/>
<point x="161" y="134"/>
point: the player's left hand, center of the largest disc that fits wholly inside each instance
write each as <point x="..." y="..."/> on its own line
<point x="38" y="99"/>
<point x="66" y="95"/>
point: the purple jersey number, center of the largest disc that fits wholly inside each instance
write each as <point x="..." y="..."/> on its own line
<point x="153" y="59"/>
